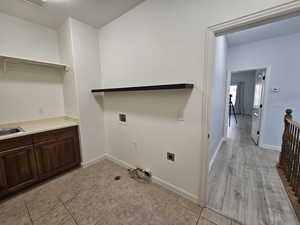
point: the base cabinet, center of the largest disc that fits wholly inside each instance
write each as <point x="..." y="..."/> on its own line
<point x="49" y="154"/>
<point x="18" y="168"/>
<point x="3" y="188"/>
<point x="58" y="154"/>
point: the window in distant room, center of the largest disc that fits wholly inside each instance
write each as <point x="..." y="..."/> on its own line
<point x="232" y="91"/>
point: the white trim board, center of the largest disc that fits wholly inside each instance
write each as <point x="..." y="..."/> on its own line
<point x="271" y="147"/>
<point x="156" y="180"/>
<point x="213" y="158"/>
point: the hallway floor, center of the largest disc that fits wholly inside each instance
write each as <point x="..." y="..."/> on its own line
<point x="244" y="183"/>
<point x="91" y="196"/>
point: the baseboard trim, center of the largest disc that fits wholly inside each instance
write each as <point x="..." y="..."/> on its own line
<point x="212" y="160"/>
<point x="118" y="161"/>
<point x="271" y="147"/>
<point x="157" y="180"/>
<point x="92" y="162"/>
<point x="176" y="189"/>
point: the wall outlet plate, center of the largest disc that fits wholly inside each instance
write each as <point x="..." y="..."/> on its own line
<point x="122" y="118"/>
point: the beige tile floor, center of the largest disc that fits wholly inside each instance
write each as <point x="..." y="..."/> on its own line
<point x="91" y="196"/>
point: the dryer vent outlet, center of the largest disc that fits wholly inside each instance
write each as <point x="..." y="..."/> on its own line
<point x="171" y="156"/>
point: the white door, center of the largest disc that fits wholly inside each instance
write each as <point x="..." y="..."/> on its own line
<point x="257" y="105"/>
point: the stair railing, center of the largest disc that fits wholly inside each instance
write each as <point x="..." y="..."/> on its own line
<point x="289" y="160"/>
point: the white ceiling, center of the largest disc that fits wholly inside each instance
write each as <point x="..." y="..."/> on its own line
<point x="54" y="12"/>
<point x="271" y="30"/>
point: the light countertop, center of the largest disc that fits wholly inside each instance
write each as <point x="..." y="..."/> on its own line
<point x="38" y="126"/>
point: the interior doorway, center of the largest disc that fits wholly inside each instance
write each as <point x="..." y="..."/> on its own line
<point x="246" y="95"/>
<point x="243" y="181"/>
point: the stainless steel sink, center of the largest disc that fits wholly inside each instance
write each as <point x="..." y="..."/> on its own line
<point x="6" y="131"/>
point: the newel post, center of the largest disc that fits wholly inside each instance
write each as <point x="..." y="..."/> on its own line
<point x="288" y="114"/>
<point x="284" y="146"/>
<point x="285" y="139"/>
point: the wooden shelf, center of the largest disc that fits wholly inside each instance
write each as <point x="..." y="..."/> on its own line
<point x="146" y="88"/>
<point x="5" y="59"/>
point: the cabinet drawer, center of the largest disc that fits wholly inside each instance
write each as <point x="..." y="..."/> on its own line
<point x="15" y="142"/>
<point x="44" y="137"/>
<point x="65" y="133"/>
<point x="54" y="135"/>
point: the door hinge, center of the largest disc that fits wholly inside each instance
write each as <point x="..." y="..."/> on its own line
<point x="208" y="136"/>
<point x="258" y="132"/>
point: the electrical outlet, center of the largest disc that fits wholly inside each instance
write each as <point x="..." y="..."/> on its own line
<point x="122" y="118"/>
<point x="171" y="156"/>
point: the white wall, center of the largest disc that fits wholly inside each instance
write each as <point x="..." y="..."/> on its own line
<point x="23" y="39"/>
<point x="162" y="42"/>
<point x="86" y="67"/>
<point x="218" y="98"/>
<point x="248" y="78"/>
<point x="69" y="83"/>
<point x="29" y="92"/>
<point x="282" y="55"/>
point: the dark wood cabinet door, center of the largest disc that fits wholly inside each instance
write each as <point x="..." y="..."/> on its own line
<point x="3" y="185"/>
<point x="18" y="168"/>
<point x="56" y="156"/>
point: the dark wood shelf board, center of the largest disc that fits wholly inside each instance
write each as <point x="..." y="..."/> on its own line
<point x="146" y="88"/>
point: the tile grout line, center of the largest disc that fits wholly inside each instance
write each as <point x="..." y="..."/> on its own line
<point x="27" y="210"/>
<point x="190" y="210"/>
<point x="210" y="221"/>
<point x="52" y="208"/>
<point x="199" y="215"/>
<point x="201" y="211"/>
<point x="69" y="212"/>
<point x="220" y="214"/>
<point x="206" y="218"/>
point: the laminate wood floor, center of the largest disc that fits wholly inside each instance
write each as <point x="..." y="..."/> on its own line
<point x="244" y="183"/>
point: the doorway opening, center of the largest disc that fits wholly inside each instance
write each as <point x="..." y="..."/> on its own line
<point x="247" y="106"/>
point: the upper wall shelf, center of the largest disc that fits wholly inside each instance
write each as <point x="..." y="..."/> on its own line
<point x="146" y="88"/>
<point x="5" y="59"/>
